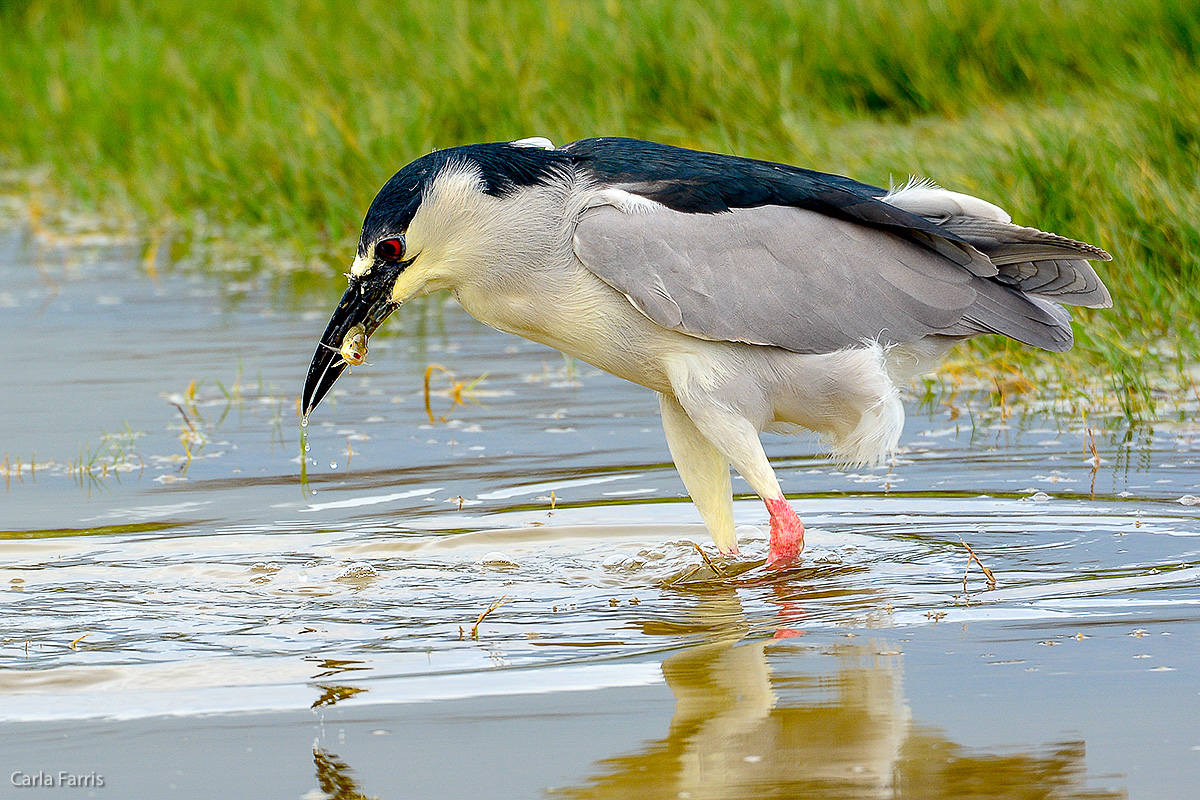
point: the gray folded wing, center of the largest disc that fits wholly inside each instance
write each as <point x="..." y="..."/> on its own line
<point x="804" y="281"/>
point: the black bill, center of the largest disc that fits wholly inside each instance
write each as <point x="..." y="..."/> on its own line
<point x="367" y="302"/>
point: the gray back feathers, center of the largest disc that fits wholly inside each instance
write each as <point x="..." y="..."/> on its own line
<point x="812" y="283"/>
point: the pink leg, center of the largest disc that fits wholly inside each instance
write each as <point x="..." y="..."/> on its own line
<point x="787" y="533"/>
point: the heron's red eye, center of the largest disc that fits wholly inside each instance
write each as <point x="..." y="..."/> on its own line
<point x="390" y="250"/>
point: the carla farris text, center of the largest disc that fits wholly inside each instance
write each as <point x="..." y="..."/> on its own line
<point x="44" y="780"/>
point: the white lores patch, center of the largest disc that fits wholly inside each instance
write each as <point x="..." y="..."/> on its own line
<point x="361" y="266"/>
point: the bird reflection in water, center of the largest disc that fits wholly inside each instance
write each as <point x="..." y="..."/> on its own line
<point x="781" y="714"/>
<point x="827" y="722"/>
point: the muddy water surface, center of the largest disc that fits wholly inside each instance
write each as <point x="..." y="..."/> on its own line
<point x="181" y="616"/>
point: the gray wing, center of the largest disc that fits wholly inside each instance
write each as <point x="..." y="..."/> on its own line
<point x="801" y="280"/>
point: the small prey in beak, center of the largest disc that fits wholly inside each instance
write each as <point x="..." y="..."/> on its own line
<point x="362" y="309"/>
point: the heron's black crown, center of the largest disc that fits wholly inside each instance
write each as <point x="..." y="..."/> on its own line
<point x="503" y="166"/>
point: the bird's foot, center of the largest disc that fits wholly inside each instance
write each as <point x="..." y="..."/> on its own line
<point x="787" y="533"/>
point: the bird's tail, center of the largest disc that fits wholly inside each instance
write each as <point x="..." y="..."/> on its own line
<point x="1022" y="274"/>
<point x="1034" y="262"/>
<point x="1037" y="263"/>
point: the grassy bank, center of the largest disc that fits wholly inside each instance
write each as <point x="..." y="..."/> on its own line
<point x="278" y="121"/>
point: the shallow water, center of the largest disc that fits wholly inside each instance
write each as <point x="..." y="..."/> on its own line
<point x="181" y="614"/>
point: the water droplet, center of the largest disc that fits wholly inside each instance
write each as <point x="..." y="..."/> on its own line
<point x="306" y="448"/>
<point x="304" y="422"/>
<point x="333" y="465"/>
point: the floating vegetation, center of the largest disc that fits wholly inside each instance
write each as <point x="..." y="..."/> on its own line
<point x="713" y="574"/>
<point x="331" y="695"/>
<point x="492" y="606"/>
<point x="13" y="468"/>
<point x="987" y="573"/>
<point x="115" y="455"/>
<point x="118" y="454"/>
<point x="457" y="391"/>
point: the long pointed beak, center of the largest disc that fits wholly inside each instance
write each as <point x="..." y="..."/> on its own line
<point x="367" y="302"/>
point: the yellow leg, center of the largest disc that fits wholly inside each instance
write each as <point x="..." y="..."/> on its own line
<point x="705" y="473"/>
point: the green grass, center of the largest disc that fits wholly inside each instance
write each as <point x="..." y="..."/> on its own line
<point x="273" y="124"/>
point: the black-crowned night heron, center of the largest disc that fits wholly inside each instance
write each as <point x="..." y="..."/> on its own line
<point x="750" y="295"/>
